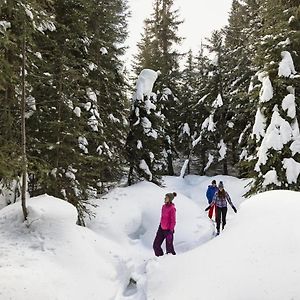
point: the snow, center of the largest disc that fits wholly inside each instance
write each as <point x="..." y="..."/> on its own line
<point x="53" y="258"/>
<point x="149" y="106"/>
<point x="202" y="99"/>
<point x="292" y="170"/>
<point x="167" y="91"/>
<point x="139" y="145"/>
<point x="149" y="131"/>
<point x="209" y="162"/>
<point x="209" y="123"/>
<point x="270" y="178"/>
<point x="143" y="166"/>
<point x="286" y="66"/>
<point x="266" y="92"/>
<point x="289" y="105"/>
<point x="295" y="146"/>
<point x="29" y="13"/>
<point x="278" y="133"/>
<point x="183" y="169"/>
<point x="46" y="25"/>
<point x="218" y="102"/>
<point x="284" y="43"/>
<point x="112" y="258"/>
<point x="113" y="118"/>
<point x="222" y="149"/>
<point x="259" y="126"/>
<point x="249" y="260"/>
<point x="93" y="123"/>
<point x="4" y="25"/>
<point x="291" y="19"/>
<point x="91" y="94"/>
<point x="83" y="143"/>
<point x="77" y="111"/>
<point x="145" y="84"/>
<point x="186" y="129"/>
<point x="103" y="51"/>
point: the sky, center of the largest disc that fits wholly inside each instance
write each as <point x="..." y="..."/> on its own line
<point x="200" y="17"/>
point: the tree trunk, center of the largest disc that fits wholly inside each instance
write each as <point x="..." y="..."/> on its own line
<point x="130" y="175"/>
<point x="225" y="167"/>
<point x="23" y="131"/>
<point x="170" y="165"/>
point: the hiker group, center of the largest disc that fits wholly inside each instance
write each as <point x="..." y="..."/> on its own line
<point x="217" y="199"/>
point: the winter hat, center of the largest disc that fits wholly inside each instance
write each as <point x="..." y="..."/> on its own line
<point x="213" y="182"/>
<point x="171" y="196"/>
<point x="221" y="185"/>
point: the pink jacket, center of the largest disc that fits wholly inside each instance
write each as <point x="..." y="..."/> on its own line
<point x="168" y="217"/>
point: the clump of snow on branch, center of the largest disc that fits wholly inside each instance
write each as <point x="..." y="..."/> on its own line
<point x="292" y="170"/>
<point x="103" y="51"/>
<point x="210" y="161"/>
<point x="271" y="178"/>
<point x="278" y="133"/>
<point x="186" y="129"/>
<point x="218" y="102"/>
<point x="83" y="143"/>
<point x="77" y="111"/>
<point x="266" y="92"/>
<point x="222" y="149"/>
<point x="139" y="144"/>
<point x="145" y="84"/>
<point x="209" y="124"/>
<point x="286" y="66"/>
<point x="259" y="125"/>
<point x="4" y="25"/>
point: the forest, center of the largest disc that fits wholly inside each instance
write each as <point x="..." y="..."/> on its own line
<point x="73" y="126"/>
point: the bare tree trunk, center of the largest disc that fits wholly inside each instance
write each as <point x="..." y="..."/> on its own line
<point x="23" y="131"/>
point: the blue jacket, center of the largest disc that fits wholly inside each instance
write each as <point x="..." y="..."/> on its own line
<point x="211" y="190"/>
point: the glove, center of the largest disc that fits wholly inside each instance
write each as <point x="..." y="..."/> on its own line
<point x="207" y="208"/>
<point x="234" y="209"/>
<point x="170" y="232"/>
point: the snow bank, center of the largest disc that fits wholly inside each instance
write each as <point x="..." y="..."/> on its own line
<point x="53" y="258"/>
<point x="257" y="257"/>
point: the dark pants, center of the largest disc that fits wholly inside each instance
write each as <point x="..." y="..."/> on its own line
<point x="162" y="235"/>
<point x="221" y="215"/>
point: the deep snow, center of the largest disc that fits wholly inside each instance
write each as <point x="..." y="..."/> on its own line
<point x="113" y="259"/>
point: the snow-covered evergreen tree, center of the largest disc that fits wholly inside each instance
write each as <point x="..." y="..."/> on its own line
<point x="158" y="51"/>
<point x="144" y="145"/>
<point x="276" y="127"/>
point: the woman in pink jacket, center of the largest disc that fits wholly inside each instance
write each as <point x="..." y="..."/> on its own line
<point x="166" y="228"/>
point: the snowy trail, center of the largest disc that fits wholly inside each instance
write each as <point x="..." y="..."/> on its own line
<point x="192" y="190"/>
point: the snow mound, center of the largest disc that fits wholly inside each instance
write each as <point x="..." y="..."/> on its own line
<point x="53" y="258"/>
<point x="255" y="258"/>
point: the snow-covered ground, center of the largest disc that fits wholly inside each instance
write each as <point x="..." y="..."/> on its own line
<point x="255" y="257"/>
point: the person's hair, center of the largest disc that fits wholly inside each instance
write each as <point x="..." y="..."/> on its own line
<point x="213" y="182"/>
<point x="221" y="194"/>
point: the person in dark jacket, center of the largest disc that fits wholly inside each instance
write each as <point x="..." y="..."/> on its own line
<point x="210" y="193"/>
<point x="220" y="200"/>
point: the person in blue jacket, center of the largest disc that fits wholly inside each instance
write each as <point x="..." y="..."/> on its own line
<point x="210" y="193"/>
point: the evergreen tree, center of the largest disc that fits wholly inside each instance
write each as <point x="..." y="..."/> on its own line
<point x="276" y="128"/>
<point x="144" y="145"/>
<point x="157" y="51"/>
<point x="76" y="95"/>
